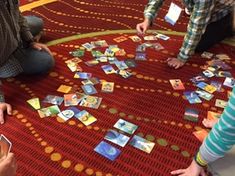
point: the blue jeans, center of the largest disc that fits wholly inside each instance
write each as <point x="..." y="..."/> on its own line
<point x="31" y="60"/>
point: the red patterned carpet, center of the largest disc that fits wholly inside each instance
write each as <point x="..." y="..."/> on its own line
<point x="49" y="146"/>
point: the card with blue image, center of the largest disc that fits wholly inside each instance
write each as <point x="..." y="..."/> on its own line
<point x="89" y="89"/>
<point x="125" y="126"/>
<point x="117" y="138"/>
<point x="192" y="97"/>
<point x="142" y="144"/>
<point x="82" y="75"/>
<point x="107" y="150"/>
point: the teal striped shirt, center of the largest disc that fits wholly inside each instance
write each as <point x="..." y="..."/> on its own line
<point x="222" y="136"/>
<point x="203" y="13"/>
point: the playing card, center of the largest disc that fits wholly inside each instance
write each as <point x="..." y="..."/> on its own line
<point x="162" y="36"/>
<point x="142" y="144"/>
<point x="229" y="82"/>
<point x="64" y="89"/>
<point x="150" y="38"/>
<point x="140" y="56"/>
<point x="223" y="74"/>
<point x="205" y="95"/>
<point x="124" y="73"/>
<point x="88" y="46"/>
<point x="217" y="85"/>
<point x="201" y="134"/>
<point x="96" y="53"/>
<point x="213" y="115"/>
<point x="66" y="114"/>
<point x="91" y="63"/>
<point x="89" y="89"/>
<point x="191" y="114"/>
<point x="177" y="84"/>
<point x="77" y="53"/>
<point x="120" y="52"/>
<point x="173" y="14"/>
<point x="207" y="55"/>
<point x="204" y="86"/>
<point x="74" y="109"/>
<point x="99" y="43"/>
<point x="222" y="56"/>
<point x="135" y="38"/>
<point x="70" y="99"/>
<point x="192" y="97"/>
<point x="107" y="150"/>
<point x="220" y="103"/>
<point x="53" y="99"/>
<point x="130" y="63"/>
<point x="102" y="59"/>
<point x="34" y="102"/>
<point x="91" y="102"/>
<point x="208" y="73"/>
<point x="5" y="146"/>
<point x="198" y="78"/>
<point x="108" y="69"/>
<point x="85" y="117"/>
<point x="121" y="65"/>
<point x="140" y="48"/>
<point x="49" y="111"/>
<point x="82" y="75"/>
<point x="73" y="64"/>
<point x="125" y="126"/>
<point x="117" y="138"/>
<point x="157" y="46"/>
<point x="107" y="87"/>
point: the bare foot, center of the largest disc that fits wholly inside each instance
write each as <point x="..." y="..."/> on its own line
<point x="209" y="123"/>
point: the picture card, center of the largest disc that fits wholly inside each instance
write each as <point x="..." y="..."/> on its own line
<point x="49" y="111"/>
<point x="117" y="138"/>
<point x="91" y="101"/>
<point x="34" y="103"/>
<point x="66" y="114"/>
<point x="191" y="114"/>
<point x="125" y="126"/>
<point x="203" y="94"/>
<point x="201" y="134"/>
<point x="85" y="117"/>
<point x="177" y="84"/>
<point x="107" y="150"/>
<point x="142" y="144"/>
<point x="53" y="99"/>
<point x="192" y="97"/>
<point x="107" y="87"/>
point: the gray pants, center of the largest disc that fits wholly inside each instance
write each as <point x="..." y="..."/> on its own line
<point x="224" y="166"/>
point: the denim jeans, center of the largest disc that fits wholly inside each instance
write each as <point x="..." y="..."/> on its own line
<point x="31" y="60"/>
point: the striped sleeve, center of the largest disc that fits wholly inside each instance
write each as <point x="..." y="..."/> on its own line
<point x="222" y="136"/>
<point x="152" y="8"/>
<point x="198" y="22"/>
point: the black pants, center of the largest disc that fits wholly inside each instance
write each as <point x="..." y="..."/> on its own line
<point x="216" y="32"/>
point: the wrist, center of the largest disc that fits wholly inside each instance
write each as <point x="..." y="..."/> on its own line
<point x="199" y="160"/>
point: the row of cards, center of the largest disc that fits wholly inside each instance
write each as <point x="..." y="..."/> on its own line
<point x="110" y="152"/>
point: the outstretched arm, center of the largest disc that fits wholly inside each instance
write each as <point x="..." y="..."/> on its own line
<point x="150" y="13"/>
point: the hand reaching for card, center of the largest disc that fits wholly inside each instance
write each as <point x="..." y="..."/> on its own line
<point x="8" y="165"/>
<point x="175" y="63"/>
<point x="3" y="107"/>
